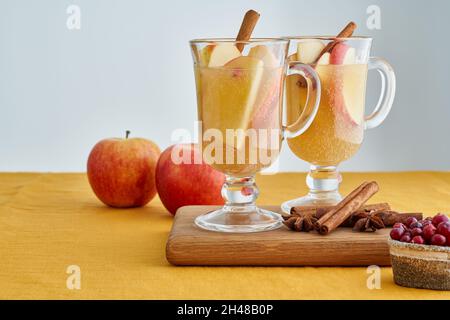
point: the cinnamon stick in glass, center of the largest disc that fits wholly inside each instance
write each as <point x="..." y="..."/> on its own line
<point x="247" y="27"/>
<point x="347" y="32"/>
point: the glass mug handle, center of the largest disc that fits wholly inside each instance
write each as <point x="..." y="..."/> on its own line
<point x="312" y="101"/>
<point x="387" y="95"/>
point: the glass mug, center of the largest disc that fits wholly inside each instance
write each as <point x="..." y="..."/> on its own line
<point x="239" y="103"/>
<point x="338" y="128"/>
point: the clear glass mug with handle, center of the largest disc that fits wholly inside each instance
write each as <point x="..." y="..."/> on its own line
<point x="337" y="131"/>
<point x="239" y="98"/>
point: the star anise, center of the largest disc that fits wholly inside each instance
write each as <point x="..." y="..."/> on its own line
<point x="300" y="221"/>
<point x="368" y="221"/>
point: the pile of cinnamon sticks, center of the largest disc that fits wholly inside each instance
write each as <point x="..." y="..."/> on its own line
<point x="352" y="211"/>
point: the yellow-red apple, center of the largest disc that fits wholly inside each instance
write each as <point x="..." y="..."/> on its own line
<point x="121" y="172"/>
<point x="182" y="178"/>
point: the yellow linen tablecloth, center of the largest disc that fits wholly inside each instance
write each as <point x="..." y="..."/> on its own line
<point x="51" y="221"/>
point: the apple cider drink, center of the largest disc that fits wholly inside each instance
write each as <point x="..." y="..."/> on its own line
<point x="239" y="104"/>
<point x="337" y="130"/>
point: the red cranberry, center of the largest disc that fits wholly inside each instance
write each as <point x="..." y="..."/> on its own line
<point x="425" y="222"/>
<point x="399" y="225"/>
<point x="439" y="218"/>
<point x="444" y="229"/>
<point x="438" y="240"/>
<point x="416" y="232"/>
<point x="397" y="233"/>
<point x="405" y="238"/>
<point x="418" y="240"/>
<point x="416" y="224"/>
<point x="410" y="220"/>
<point x="429" y="231"/>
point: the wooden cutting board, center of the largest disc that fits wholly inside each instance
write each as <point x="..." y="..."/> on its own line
<point x="190" y="245"/>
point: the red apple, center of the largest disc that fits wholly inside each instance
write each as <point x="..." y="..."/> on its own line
<point x="187" y="182"/>
<point x="121" y="172"/>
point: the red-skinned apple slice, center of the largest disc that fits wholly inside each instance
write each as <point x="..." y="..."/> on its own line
<point x="346" y="85"/>
<point x="348" y="96"/>
<point x="343" y="54"/>
<point x="267" y="103"/>
<point x="268" y="92"/>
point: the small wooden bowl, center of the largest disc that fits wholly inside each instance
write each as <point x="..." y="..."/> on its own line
<point x="420" y="266"/>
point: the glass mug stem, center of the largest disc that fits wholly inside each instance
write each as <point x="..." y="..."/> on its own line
<point x="323" y="183"/>
<point x="240" y="194"/>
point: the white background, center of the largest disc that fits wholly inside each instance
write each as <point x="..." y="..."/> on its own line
<point x="129" y="67"/>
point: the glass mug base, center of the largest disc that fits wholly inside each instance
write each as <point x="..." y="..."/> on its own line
<point x="323" y="183"/>
<point x="330" y="198"/>
<point x="239" y="220"/>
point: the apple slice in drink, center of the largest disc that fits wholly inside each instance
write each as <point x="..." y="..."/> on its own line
<point x="292" y="57"/>
<point x="269" y="90"/>
<point x="347" y="86"/>
<point x="220" y="54"/>
<point x="296" y="94"/>
<point x="229" y="94"/>
<point x="267" y="108"/>
<point x="265" y="55"/>
<point x="309" y="50"/>
<point x="205" y="54"/>
<point x="324" y="59"/>
<point x="343" y="54"/>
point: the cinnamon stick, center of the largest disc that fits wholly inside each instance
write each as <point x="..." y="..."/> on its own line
<point x="351" y="220"/>
<point x="390" y="217"/>
<point x="319" y="211"/>
<point x="247" y="27"/>
<point x="343" y="210"/>
<point x="347" y="32"/>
